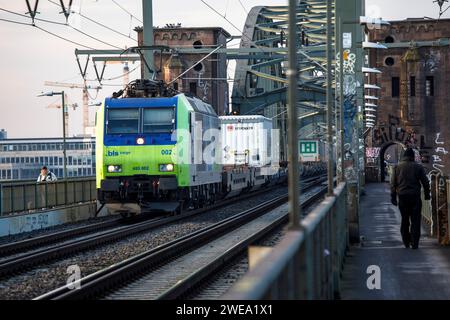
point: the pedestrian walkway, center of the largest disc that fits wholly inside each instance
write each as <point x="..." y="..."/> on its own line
<point x="406" y="274"/>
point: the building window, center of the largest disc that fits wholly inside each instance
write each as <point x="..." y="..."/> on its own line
<point x="198" y="44"/>
<point x="429" y="86"/>
<point x="198" y="67"/>
<point x="389" y="61"/>
<point x="395" y="87"/>
<point x="389" y="39"/>
<point x="412" y="86"/>
<point x="193" y="88"/>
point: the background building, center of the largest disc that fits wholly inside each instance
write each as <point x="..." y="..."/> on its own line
<point x="3" y="134"/>
<point x="413" y="109"/>
<point x="21" y="159"/>
<point x="207" y="80"/>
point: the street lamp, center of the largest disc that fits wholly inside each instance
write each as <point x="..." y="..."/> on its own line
<point x="63" y="108"/>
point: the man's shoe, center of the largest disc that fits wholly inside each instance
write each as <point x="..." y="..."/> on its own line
<point x="407" y="245"/>
<point x="415" y="247"/>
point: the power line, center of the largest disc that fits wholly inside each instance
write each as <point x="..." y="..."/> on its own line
<point x="62" y="24"/>
<point x="243" y="7"/>
<point x="224" y="17"/>
<point x="98" y="23"/>
<point x="132" y="15"/>
<point x="62" y="38"/>
<point x="28" y="17"/>
<point x="122" y="75"/>
<point x="46" y="31"/>
<point x="234" y="26"/>
<point x="94" y="38"/>
<point x="16" y="22"/>
<point x="115" y="77"/>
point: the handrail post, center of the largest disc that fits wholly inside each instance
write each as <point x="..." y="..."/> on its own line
<point x="293" y="179"/>
<point x="330" y="98"/>
<point x="46" y="195"/>
<point x="1" y="199"/>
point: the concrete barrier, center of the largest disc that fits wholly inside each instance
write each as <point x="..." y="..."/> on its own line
<point x="16" y="224"/>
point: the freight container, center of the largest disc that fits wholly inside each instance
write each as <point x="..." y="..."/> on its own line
<point x="246" y="140"/>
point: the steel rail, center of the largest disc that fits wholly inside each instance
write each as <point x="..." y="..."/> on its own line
<point x="23" y="262"/>
<point x="203" y="275"/>
<point x="97" y="283"/>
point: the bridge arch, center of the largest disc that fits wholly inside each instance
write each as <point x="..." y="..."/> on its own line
<point x="383" y="151"/>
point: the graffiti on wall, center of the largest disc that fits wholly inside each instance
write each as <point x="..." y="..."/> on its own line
<point x="34" y="222"/>
<point x="393" y="132"/>
<point x="372" y="154"/>
<point x="349" y="64"/>
<point x="439" y="154"/>
<point x="351" y="136"/>
<point x="432" y="61"/>
<point x="204" y="86"/>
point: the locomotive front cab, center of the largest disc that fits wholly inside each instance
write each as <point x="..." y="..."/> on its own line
<point x="139" y="145"/>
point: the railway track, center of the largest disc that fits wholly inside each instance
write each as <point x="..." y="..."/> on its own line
<point x="73" y="243"/>
<point x="176" y="267"/>
<point x="35" y="242"/>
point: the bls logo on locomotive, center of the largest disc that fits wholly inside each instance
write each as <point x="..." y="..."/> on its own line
<point x="112" y="154"/>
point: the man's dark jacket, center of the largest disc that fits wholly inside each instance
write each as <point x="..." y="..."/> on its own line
<point x="407" y="178"/>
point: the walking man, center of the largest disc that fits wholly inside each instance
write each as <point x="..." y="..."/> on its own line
<point x="406" y="182"/>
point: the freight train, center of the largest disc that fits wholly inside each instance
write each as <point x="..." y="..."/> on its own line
<point x="172" y="152"/>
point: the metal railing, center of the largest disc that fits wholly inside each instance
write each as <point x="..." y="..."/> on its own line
<point x="436" y="213"/>
<point x="306" y="264"/>
<point x="427" y="212"/>
<point x="28" y="196"/>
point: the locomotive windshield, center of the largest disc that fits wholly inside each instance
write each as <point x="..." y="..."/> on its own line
<point x="160" y="120"/>
<point x="123" y="121"/>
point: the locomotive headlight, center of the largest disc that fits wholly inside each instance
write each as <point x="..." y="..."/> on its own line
<point x="114" y="169"/>
<point x="140" y="141"/>
<point x="166" y="167"/>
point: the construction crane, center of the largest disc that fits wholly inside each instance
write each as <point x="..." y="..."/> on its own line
<point x="68" y="104"/>
<point x="85" y="87"/>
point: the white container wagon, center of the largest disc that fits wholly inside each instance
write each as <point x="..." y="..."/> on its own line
<point x="246" y="140"/>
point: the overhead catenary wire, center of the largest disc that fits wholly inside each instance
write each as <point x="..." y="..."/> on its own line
<point x="46" y="31"/>
<point x="234" y="26"/>
<point x="16" y="22"/>
<point x="61" y="24"/>
<point x="98" y="23"/>
<point x="243" y="7"/>
<point x="128" y="12"/>
<point x="61" y="37"/>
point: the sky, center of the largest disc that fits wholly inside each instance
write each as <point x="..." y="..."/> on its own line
<point x="30" y="56"/>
